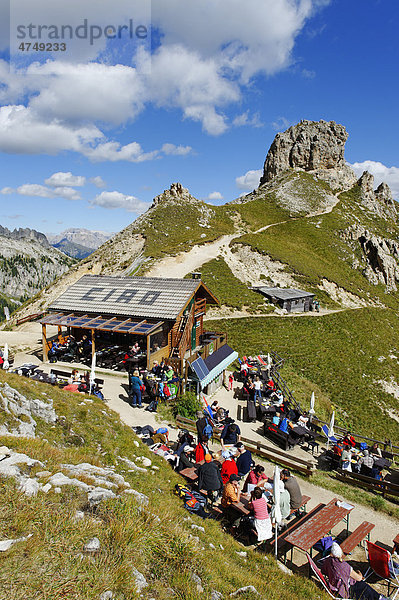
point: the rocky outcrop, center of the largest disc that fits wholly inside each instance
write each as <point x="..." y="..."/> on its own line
<point x="311" y="146"/>
<point x="379" y="201"/>
<point x="175" y="192"/>
<point x="381" y="256"/>
<point x="25" y="234"/>
<point x="22" y="412"/>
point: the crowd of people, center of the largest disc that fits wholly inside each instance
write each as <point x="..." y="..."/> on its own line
<point x="160" y="383"/>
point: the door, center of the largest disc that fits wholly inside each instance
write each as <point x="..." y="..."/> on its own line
<point x="194" y="335"/>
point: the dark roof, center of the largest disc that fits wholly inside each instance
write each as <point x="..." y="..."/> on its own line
<point x="145" y="297"/>
<point x="283" y="293"/>
<point x="217" y="357"/>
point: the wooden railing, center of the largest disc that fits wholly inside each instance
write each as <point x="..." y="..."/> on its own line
<point x="29" y="318"/>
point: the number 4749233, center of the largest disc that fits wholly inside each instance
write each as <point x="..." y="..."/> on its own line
<point x="42" y="47"/>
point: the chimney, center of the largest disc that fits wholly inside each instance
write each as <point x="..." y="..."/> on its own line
<point x="195" y="275"/>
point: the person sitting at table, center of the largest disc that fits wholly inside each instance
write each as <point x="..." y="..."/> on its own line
<point x="346" y="459"/>
<point x="262" y="521"/>
<point x="376" y="472"/>
<point x="184" y="461"/>
<point x="376" y="450"/>
<point x="348" y="441"/>
<point x="303" y="421"/>
<point x="209" y="478"/>
<point x="244" y="368"/>
<point x="229" y="466"/>
<point x="365" y="463"/>
<point x="135" y="349"/>
<point x="231" y="494"/>
<point x="244" y="460"/>
<point x="345" y="581"/>
<point x="292" y="486"/>
<point x="230" y="435"/>
<point x="277" y="398"/>
<point x="200" y="450"/>
<point x="256" y="478"/>
<point x="75" y="377"/>
<point x="270" y="387"/>
<point x="169" y="374"/>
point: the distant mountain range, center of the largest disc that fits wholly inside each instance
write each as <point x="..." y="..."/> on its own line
<point x="78" y="243"/>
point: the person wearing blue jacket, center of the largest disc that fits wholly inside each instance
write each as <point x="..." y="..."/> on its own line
<point x="135" y="391"/>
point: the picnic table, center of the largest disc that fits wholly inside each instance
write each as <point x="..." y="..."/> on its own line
<point x="243" y="505"/>
<point x="382" y="463"/>
<point x="306" y="535"/>
<point x="190" y="473"/>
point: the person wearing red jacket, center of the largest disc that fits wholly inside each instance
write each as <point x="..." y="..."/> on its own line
<point x="229" y="467"/>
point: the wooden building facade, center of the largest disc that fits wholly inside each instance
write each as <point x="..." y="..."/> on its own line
<point x="164" y="316"/>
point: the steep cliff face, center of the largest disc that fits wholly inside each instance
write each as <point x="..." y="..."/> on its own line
<point x="28" y="264"/>
<point x="311" y="146"/>
<point x="25" y="234"/>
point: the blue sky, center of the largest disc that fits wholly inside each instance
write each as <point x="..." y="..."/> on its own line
<point x="90" y="140"/>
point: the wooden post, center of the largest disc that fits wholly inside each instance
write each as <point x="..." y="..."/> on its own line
<point x="93" y="343"/>
<point x="148" y="351"/>
<point x="45" y="344"/>
<point x="59" y="333"/>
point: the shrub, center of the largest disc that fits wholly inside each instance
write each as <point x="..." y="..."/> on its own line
<point x="187" y="405"/>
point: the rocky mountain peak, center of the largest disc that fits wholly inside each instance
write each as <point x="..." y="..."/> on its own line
<point x="379" y="201"/>
<point x="25" y="234"/>
<point x="176" y="192"/>
<point x="315" y="146"/>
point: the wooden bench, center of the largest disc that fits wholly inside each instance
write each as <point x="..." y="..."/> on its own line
<point x="281" y="438"/>
<point x="356" y="537"/>
<point x="302" y="506"/>
<point x="384" y="487"/>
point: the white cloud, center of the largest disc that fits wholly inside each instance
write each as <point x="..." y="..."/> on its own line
<point x="215" y="196"/>
<point x="115" y="199"/>
<point x="113" y="151"/>
<point x="98" y="181"/>
<point x="207" y="56"/>
<point x="281" y="124"/>
<point x="23" y="132"/>
<point x="249" y="181"/>
<point x="7" y="190"/>
<point x="381" y="173"/>
<point x="172" y="150"/>
<point x="41" y="191"/>
<point x="244" y="120"/>
<point x="65" y="179"/>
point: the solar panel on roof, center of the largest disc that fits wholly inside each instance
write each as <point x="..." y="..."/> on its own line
<point x="200" y="368"/>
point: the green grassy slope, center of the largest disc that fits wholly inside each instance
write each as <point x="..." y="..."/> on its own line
<point x="313" y="249"/>
<point x="159" y="541"/>
<point x="344" y="354"/>
<point x="229" y="290"/>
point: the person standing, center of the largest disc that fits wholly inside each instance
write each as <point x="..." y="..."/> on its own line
<point x="135" y="389"/>
<point x="258" y="390"/>
<point x="262" y="522"/>
<point x="231" y="381"/>
<point x="209" y="478"/>
<point x="292" y="486"/>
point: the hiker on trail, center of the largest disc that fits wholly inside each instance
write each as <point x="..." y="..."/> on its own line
<point x="209" y="478"/>
<point x="345" y="581"/>
<point x="292" y="486"/>
<point x="244" y="460"/>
